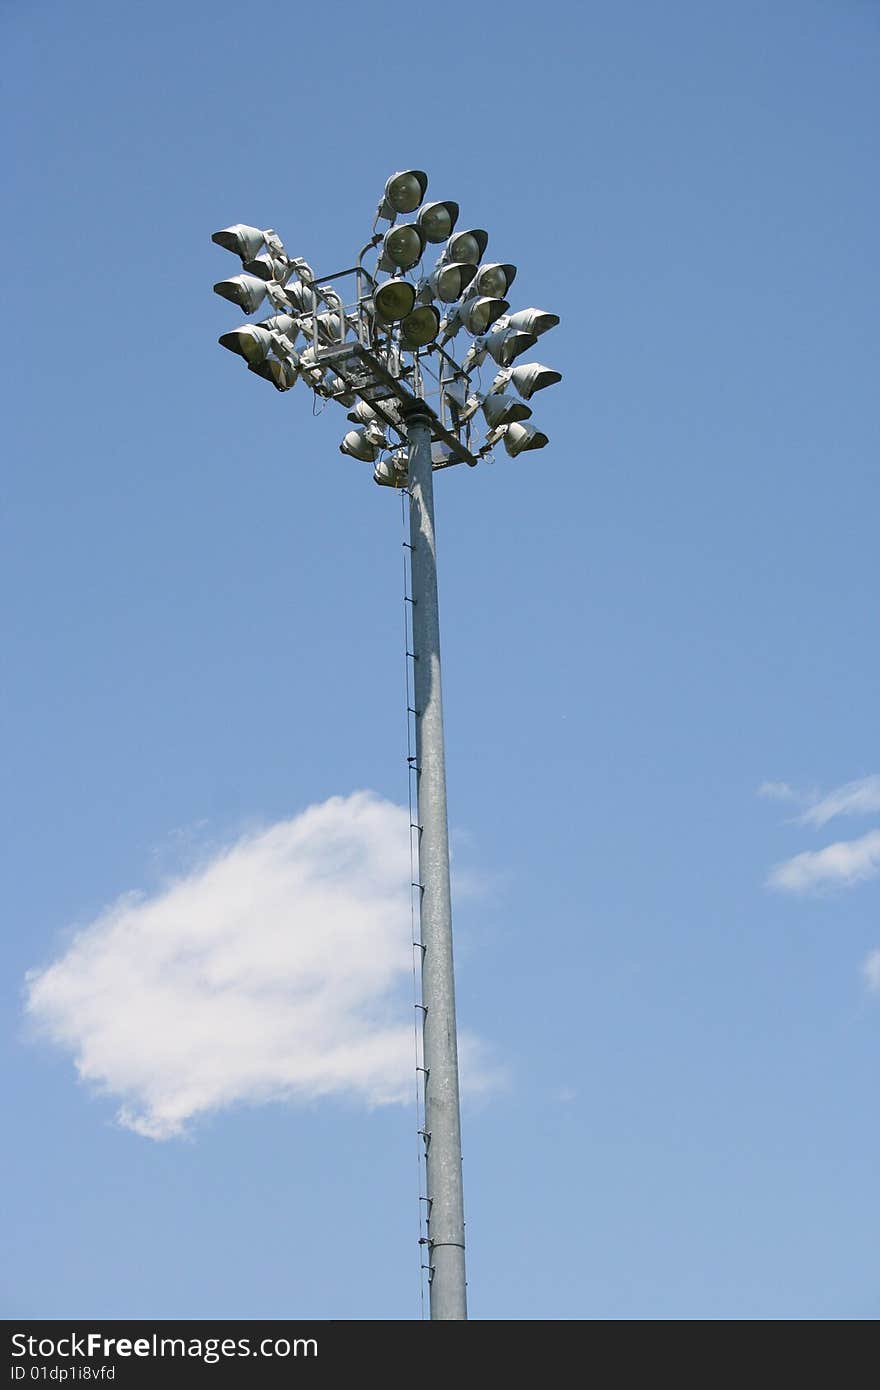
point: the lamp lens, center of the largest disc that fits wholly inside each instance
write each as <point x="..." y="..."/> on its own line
<point x="404" y="192"/>
<point x="420" y="327"/>
<point x="394" y="300"/>
<point x="466" y="248"/>
<point x="436" y="223"/>
<point x="403" y="246"/>
<point x="493" y="281"/>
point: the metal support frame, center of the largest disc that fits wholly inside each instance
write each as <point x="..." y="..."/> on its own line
<point x="442" y="1134"/>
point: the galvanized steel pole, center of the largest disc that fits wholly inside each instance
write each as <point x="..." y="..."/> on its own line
<point x="440" y="1060"/>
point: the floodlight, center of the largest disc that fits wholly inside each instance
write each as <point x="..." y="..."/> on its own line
<point x="242" y="240"/>
<point x="518" y="438"/>
<point x="504" y="410"/>
<point x="394" y="299"/>
<point x="448" y="282"/>
<point x="329" y="326"/>
<point x="281" y="323"/>
<point x="466" y="246"/>
<point x="251" y="342"/>
<point x="527" y="378"/>
<point x="391" y="472"/>
<point x="269" y="267"/>
<point x="403" y="193"/>
<point x="358" y="446"/>
<point x="493" y="279"/>
<point x="402" y="246"/>
<point x="535" y="321"/>
<point x="301" y="296"/>
<point x="437" y="220"/>
<point x="506" y="344"/>
<point x="247" y="291"/>
<point x="363" y="414"/>
<point x="419" y="328"/>
<point x="476" y="315"/>
<point x="282" y="375"/>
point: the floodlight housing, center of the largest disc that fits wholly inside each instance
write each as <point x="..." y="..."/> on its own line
<point x="448" y="282"/>
<point x="466" y="246"/>
<point x="402" y="246"/>
<point x="520" y="438"/>
<point x="494" y="279"/>
<point x="283" y="375"/>
<point x="394" y="299"/>
<point x="242" y="240"/>
<point x="363" y="414"/>
<point x="247" y="291"/>
<point x="529" y="377"/>
<point x="419" y="328"/>
<point x="388" y="474"/>
<point x="477" y="315"/>
<point x="357" y="446"/>
<point x="504" y="410"/>
<point x="437" y="221"/>
<point x="403" y="193"/>
<point x="269" y="267"/>
<point x="535" y="321"/>
<point x="329" y="326"/>
<point x="250" y="341"/>
<point x="506" y="344"/>
<point x="301" y="296"/>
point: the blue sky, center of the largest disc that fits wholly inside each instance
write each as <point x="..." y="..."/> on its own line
<point x="659" y="663"/>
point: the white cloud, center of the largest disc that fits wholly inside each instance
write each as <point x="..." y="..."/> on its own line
<point x="275" y="971"/>
<point x="846" y="862"/>
<point x="852" y="799"/>
<point x="871" y="971"/>
<point x="778" y="791"/>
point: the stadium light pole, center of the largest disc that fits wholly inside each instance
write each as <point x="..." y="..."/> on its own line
<point x="391" y="356"/>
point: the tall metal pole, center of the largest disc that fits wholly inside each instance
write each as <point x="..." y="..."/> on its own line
<point x="440" y="1060"/>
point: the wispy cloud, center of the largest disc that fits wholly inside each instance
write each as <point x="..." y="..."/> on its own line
<point x="852" y="799"/>
<point x="778" y="791"/>
<point x="871" y="971"/>
<point x="843" y="863"/>
<point x="275" y="971"/>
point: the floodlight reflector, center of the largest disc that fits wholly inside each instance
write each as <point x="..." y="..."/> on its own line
<point x="506" y="344"/>
<point x="402" y="246"/>
<point x="251" y="342"/>
<point x="419" y="328"/>
<point x="437" y="220"/>
<point x="529" y="377"/>
<point x="535" y="321"/>
<point x="394" y="299"/>
<point x="403" y="193"/>
<point x="519" y="438"/>
<point x="494" y="279"/>
<point x="467" y="246"/>
<point x="247" y="291"/>
<point x="242" y="240"/>
<point x="449" y="282"/>
<point x="478" y="315"/>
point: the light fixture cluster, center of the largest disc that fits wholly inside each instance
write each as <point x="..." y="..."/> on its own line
<point x="398" y="339"/>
